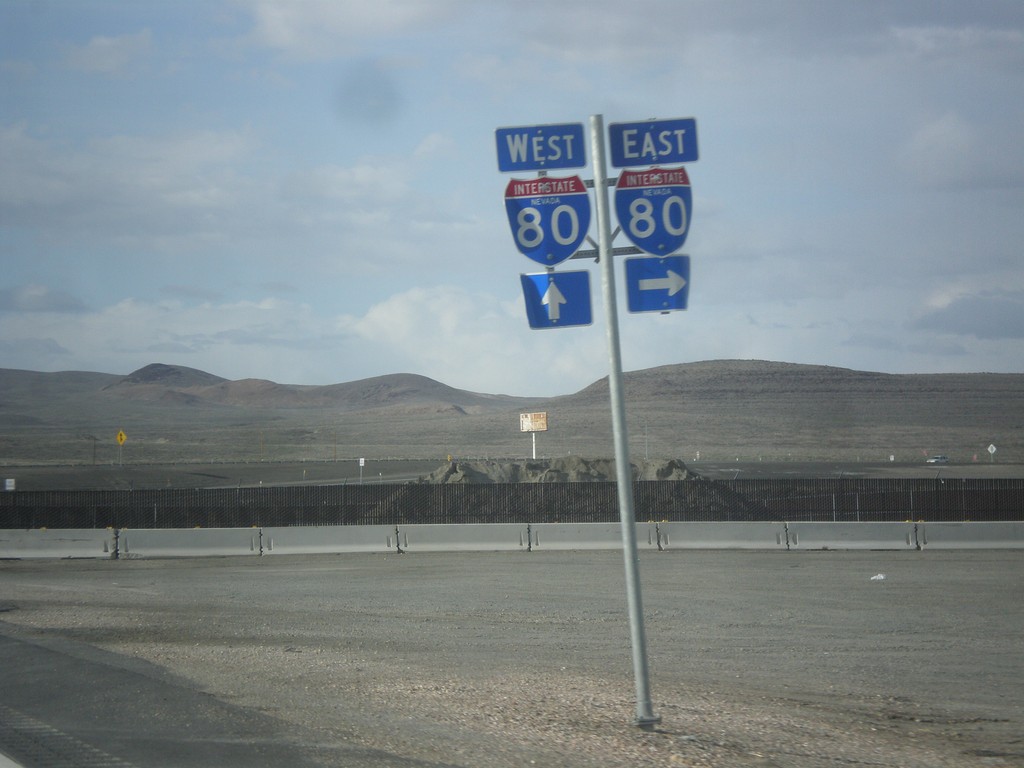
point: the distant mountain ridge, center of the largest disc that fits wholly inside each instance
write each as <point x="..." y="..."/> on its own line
<point x="181" y="385"/>
<point x="718" y="408"/>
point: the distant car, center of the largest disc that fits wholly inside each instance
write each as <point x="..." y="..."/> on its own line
<point x="938" y="460"/>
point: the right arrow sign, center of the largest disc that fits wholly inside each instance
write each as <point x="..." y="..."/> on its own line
<point x="657" y="284"/>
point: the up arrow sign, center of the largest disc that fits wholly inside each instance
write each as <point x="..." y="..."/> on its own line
<point x="554" y="300"/>
<point x="557" y="299"/>
<point x="657" y="283"/>
<point x="672" y="282"/>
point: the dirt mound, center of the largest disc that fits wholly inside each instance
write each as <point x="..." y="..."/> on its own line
<point x="570" y="469"/>
<point x="671" y="469"/>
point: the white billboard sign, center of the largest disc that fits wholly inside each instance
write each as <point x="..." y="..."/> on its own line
<point x="533" y="422"/>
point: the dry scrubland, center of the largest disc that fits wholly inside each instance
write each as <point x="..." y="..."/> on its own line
<point x="723" y="410"/>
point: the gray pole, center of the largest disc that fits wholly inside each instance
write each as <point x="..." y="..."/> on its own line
<point x="645" y="717"/>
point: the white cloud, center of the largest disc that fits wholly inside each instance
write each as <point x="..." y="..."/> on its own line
<point x="110" y="55"/>
<point x="942" y="151"/>
<point x="121" y="184"/>
<point x="43" y="352"/>
<point x="311" y="29"/>
<point x="468" y="340"/>
<point x="474" y="341"/>
<point x="435" y="145"/>
<point x="234" y="339"/>
<point x="18" y="68"/>
<point x="953" y="42"/>
<point x="989" y="314"/>
<point x="364" y="183"/>
<point x="37" y="298"/>
<point x="185" y="194"/>
<point x="193" y="194"/>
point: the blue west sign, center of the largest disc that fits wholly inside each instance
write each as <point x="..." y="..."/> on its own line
<point x="541" y="147"/>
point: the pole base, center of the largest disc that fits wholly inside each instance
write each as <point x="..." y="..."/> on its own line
<point x="647" y="723"/>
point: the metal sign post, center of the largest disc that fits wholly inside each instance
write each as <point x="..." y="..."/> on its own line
<point x="645" y="717"/>
<point x="549" y="219"/>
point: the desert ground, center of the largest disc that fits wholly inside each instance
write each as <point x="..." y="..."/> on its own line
<point x="183" y="427"/>
<point x="757" y="659"/>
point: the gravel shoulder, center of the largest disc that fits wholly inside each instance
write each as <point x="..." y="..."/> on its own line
<point x="513" y="659"/>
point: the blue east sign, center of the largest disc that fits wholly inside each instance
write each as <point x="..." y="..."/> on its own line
<point x="653" y="142"/>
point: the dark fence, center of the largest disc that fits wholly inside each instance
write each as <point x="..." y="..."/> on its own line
<point x="842" y="500"/>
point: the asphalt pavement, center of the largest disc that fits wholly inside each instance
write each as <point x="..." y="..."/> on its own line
<point x="70" y="704"/>
<point x="798" y="659"/>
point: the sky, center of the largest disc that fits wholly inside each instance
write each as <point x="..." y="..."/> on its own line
<point x="309" y="192"/>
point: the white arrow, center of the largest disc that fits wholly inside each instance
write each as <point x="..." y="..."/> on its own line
<point x="672" y="282"/>
<point x="554" y="299"/>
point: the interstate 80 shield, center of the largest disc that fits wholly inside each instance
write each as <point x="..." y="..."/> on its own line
<point x="654" y="208"/>
<point x="549" y="217"/>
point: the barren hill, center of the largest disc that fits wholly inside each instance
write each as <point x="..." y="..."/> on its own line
<point x="728" y="409"/>
<point x="170" y="376"/>
<point x="187" y="386"/>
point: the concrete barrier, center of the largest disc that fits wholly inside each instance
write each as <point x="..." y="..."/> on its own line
<point x="57" y="543"/>
<point x="188" y="542"/>
<point x="851" y="535"/>
<point x="199" y="542"/>
<point x="722" y="535"/>
<point x="482" y="537"/>
<point x="970" y="535"/>
<point x="308" y="540"/>
<point x="580" y="535"/>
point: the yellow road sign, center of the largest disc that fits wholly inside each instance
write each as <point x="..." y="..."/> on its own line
<point x="121" y="437"/>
